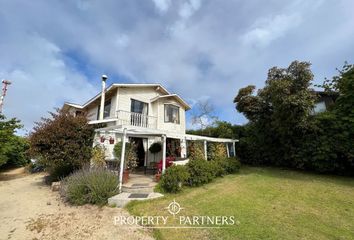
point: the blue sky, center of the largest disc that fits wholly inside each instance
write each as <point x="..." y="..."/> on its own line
<point x="56" y="51"/>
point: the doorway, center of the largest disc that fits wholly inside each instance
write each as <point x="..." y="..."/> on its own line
<point x="140" y="150"/>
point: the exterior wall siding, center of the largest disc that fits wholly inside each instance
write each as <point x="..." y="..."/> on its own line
<point x="171" y="127"/>
<point x="121" y="100"/>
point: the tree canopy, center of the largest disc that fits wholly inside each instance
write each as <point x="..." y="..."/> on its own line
<point x="62" y="142"/>
<point x="283" y="129"/>
<point x="12" y="147"/>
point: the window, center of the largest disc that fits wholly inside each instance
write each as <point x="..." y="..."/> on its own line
<point x="78" y="113"/>
<point x="106" y="110"/>
<point x="139" y="113"/>
<point x="171" y="113"/>
<point x="139" y="107"/>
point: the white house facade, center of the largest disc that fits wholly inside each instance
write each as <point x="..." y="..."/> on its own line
<point x="143" y="113"/>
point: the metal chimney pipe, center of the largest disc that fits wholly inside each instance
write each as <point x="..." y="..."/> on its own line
<point x="104" y="78"/>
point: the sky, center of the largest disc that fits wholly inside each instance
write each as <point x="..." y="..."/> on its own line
<point x="56" y="51"/>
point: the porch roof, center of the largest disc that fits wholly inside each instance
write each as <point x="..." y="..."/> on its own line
<point x="144" y="132"/>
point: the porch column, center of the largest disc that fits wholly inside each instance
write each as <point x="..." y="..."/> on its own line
<point x="185" y="140"/>
<point x="234" y="147"/>
<point x="122" y="155"/>
<point x="163" y="153"/>
<point x="205" y="150"/>
<point x="227" y="149"/>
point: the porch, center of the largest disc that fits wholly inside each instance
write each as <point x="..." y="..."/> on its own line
<point x="123" y="133"/>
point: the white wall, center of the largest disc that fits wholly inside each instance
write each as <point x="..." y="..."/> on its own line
<point x="92" y="113"/>
<point x="171" y="127"/>
<point x="142" y="94"/>
<point x="121" y="100"/>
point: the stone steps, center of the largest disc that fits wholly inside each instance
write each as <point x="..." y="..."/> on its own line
<point x="124" y="198"/>
<point x="138" y="189"/>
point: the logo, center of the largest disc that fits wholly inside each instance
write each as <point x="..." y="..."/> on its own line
<point x="182" y="221"/>
<point x="174" y="208"/>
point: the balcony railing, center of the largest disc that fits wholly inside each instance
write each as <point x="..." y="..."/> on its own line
<point x="136" y="119"/>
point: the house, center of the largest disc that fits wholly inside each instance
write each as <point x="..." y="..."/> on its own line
<point x="144" y="114"/>
<point x="324" y="101"/>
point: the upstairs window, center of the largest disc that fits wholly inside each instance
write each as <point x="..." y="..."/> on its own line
<point x="171" y="114"/>
<point x="78" y="113"/>
<point x="139" y="107"/>
<point x="106" y="110"/>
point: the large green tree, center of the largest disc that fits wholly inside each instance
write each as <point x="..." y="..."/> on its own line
<point x="12" y="147"/>
<point x="329" y="147"/>
<point x="283" y="129"/>
<point x="278" y="113"/>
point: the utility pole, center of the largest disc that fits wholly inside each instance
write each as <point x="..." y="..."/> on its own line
<point x="5" y="83"/>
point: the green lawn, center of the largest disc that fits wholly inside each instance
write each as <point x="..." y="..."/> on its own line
<point x="269" y="203"/>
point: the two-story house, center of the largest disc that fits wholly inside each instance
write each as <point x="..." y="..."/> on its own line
<point x="143" y="113"/>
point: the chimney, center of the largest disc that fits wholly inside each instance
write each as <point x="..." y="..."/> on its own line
<point x="104" y="78"/>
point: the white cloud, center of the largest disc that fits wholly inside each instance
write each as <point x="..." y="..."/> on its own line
<point x="212" y="48"/>
<point x="122" y="40"/>
<point x="41" y="80"/>
<point x="162" y="5"/>
<point x="188" y="8"/>
<point x="264" y="31"/>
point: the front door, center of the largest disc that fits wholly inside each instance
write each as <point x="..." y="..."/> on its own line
<point x="140" y="151"/>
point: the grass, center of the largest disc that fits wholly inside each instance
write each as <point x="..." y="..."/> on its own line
<point x="269" y="203"/>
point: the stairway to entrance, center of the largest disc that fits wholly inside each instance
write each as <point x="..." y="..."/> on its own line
<point x="139" y="187"/>
<point x="139" y="183"/>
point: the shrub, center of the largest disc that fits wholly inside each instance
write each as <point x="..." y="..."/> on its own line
<point x="216" y="151"/>
<point x="217" y="166"/>
<point x="63" y="142"/>
<point x="18" y="156"/>
<point x="98" y="156"/>
<point x="118" y="150"/>
<point x="195" y="150"/>
<point x="201" y="172"/>
<point x="229" y="165"/>
<point x="34" y="166"/>
<point x="174" y="178"/>
<point x="12" y="148"/>
<point x="131" y="158"/>
<point x="93" y="186"/>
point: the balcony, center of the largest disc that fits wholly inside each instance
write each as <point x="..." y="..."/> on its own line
<point x="130" y="118"/>
<point x="136" y="119"/>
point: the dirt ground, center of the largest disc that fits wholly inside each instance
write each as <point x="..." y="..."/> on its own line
<point x="30" y="210"/>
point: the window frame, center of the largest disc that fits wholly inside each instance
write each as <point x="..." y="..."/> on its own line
<point x="178" y="111"/>
<point x="131" y="105"/>
<point x="106" y="103"/>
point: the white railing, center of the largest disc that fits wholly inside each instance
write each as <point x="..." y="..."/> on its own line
<point x="136" y="119"/>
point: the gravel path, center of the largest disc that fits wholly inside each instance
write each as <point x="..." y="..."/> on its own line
<point x="30" y="210"/>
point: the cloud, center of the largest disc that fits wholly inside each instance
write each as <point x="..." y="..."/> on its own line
<point x="265" y="31"/>
<point x="56" y="51"/>
<point x="162" y="5"/>
<point x="41" y="80"/>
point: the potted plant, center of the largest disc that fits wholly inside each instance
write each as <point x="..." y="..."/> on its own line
<point x="98" y="156"/>
<point x="158" y="176"/>
<point x="155" y="148"/>
<point x="125" y="175"/>
<point x="131" y="158"/>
